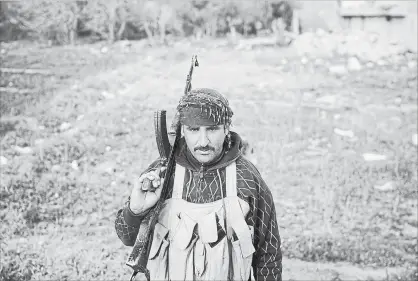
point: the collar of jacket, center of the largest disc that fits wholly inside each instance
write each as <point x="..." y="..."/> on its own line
<point x="185" y="158"/>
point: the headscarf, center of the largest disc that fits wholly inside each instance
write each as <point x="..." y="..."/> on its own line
<point x="204" y="107"/>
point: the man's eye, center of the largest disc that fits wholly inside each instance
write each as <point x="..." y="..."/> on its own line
<point x="193" y="129"/>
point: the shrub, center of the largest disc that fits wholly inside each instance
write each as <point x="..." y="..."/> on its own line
<point x="62" y="21"/>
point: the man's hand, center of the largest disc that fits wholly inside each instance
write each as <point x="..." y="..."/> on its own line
<point x="146" y="191"/>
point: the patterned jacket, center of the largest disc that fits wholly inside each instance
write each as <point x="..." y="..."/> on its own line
<point x="204" y="185"/>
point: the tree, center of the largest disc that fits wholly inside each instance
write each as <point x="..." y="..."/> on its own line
<point x="156" y="17"/>
<point x="202" y="16"/>
<point x="53" y="20"/>
<point x="106" y="18"/>
<point x="250" y="12"/>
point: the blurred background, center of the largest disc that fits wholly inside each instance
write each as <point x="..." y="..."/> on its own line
<point x="77" y="22"/>
<point x="324" y="92"/>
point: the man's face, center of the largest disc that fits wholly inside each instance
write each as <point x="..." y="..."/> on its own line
<point x="205" y="142"/>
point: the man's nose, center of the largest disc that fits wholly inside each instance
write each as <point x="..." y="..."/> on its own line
<point x="203" y="138"/>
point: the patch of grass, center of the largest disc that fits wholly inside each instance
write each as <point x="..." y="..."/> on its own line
<point x="408" y="275"/>
<point x="344" y="213"/>
<point x="19" y="266"/>
<point x="355" y="249"/>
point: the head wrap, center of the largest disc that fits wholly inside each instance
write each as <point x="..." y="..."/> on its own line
<point x="204" y="107"/>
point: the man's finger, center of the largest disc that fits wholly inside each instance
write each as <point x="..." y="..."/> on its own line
<point x="146" y="184"/>
<point x="158" y="191"/>
<point x="155" y="173"/>
<point x="155" y="183"/>
<point x="150" y="176"/>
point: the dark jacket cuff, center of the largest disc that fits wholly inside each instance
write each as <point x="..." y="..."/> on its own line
<point x="133" y="219"/>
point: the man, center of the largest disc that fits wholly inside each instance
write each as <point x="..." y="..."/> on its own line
<point x="219" y="222"/>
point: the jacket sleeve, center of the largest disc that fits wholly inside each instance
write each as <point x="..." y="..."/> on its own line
<point x="267" y="260"/>
<point x="127" y="223"/>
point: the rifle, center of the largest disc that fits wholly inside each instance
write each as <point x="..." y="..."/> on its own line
<point x="138" y="259"/>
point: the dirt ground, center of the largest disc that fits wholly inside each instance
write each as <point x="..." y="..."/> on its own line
<point x="70" y="157"/>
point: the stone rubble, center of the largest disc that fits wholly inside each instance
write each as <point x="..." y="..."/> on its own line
<point x="371" y="157"/>
<point x="3" y="161"/>
<point x="388" y="186"/>
<point x="363" y="45"/>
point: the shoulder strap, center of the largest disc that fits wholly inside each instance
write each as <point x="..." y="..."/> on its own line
<point x="231" y="180"/>
<point x="178" y="182"/>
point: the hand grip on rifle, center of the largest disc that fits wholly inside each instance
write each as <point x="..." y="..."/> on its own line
<point x="148" y="191"/>
<point x="147" y="183"/>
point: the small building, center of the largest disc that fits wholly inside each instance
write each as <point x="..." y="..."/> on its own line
<point x="395" y="20"/>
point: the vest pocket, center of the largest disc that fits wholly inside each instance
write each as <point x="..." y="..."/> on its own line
<point x="242" y="256"/>
<point x="217" y="255"/>
<point x="158" y="257"/>
<point x="183" y="240"/>
<point x="184" y="233"/>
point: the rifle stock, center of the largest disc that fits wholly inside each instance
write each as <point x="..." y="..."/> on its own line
<point x="138" y="259"/>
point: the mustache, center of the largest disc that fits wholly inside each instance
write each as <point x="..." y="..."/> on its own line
<point x="204" y="148"/>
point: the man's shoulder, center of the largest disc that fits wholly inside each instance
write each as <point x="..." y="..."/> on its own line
<point x="249" y="180"/>
<point x="245" y="168"/>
